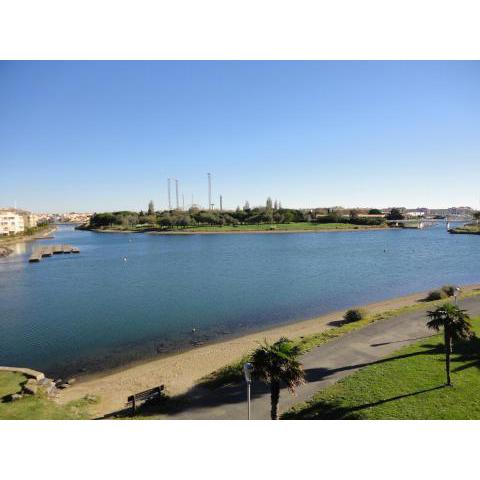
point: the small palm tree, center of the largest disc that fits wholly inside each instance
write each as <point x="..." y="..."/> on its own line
<point x="456" y="326"/>
<point x="276" y="363"/>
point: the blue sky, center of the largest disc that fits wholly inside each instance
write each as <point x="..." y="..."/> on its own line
<point x="96" y="136"/>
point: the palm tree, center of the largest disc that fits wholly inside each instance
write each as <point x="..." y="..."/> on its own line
<point x="456" y="326"/>
<point x="276" y="363"/>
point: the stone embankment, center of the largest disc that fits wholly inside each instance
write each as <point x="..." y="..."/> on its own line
<point x="37" y="381"/>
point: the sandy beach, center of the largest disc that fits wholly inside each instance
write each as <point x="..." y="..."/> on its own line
<point x="181" y="371"/>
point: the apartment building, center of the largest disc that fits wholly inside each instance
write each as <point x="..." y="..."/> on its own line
<point x="11" y="223"/>
<point x="30" y="220"/>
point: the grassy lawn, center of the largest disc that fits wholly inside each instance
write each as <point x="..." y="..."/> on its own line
<point x="407" y="385"/>
<point x="35" y="407"/>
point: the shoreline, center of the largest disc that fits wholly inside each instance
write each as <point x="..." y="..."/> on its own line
<point x="4" y="245"/>
<point x="237" y="232"/>
<point x="180" y="371"/>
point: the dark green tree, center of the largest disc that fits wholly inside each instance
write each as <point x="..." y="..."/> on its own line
<point x="275" y="364"/>
<point x="278" y="217"/>
<point x="183" y="221"/>
<point x="476" y="216"/>
<point x="395" y="214"/>
<point x="165" y="220"/>
<point x="151" y="208"/>
<point x="456" y="326"/>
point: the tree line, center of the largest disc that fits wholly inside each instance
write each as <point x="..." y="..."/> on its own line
<point x="272" y="213"/>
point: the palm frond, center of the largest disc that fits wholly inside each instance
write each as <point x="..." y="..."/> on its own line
<point x="451" y="318"/>
<point x="278" y="363"/>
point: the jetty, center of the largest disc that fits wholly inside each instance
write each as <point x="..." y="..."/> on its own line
<point x="49" y="250"/>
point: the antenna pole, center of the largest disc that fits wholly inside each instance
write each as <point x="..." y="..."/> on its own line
<point x="209" y="191"/>
<point x="176" y="193"/>
<point x="169" y="196"/>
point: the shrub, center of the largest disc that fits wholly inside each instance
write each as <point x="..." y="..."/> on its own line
<point x="354" y="315"/>
<point x="435" y="295"/>
<point x="449" y="290"/>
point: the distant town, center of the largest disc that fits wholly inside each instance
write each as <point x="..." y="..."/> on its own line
<point x="14" y="221"/>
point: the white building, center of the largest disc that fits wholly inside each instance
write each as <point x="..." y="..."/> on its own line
<point x="415" y="214"/>
<point x="11" y="223"/>
<point x="30" y="220"/>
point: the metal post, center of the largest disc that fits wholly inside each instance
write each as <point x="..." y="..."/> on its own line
<point x="169" y="196"/>
<point x="247" y="371"/>
<point x="209" y="191"/>
<point x="176" y="193"/>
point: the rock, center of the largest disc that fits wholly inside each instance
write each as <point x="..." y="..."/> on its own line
<point x="48" y="385"/>
<point x="31" y="386"/>
<point x="5" y="251"/>
<point x="63" y="385"/>
<point x="59" y="381"/>
<point x="15" y="396"/>
<point x="71" y="381"/>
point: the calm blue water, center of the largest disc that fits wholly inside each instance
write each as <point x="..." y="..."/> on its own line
<point x="93" y="310"/>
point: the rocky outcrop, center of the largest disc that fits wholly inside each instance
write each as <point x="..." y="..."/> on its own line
<point x="36" y="381"/>
<point x="30" y="387"/>
<point x="5" y="251"/>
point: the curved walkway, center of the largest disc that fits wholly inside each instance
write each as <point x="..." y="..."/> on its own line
<point x="323" y="365"/>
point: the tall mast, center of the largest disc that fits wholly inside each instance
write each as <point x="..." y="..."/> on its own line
<point x="169" y="196"/>
<point x="176" y="193"/>
<point x="209" y="191"/>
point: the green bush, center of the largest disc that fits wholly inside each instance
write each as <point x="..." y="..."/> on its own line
<point x="354" y="315"/>
<point x="435" y="295"/>
<point x="449" y="290"/>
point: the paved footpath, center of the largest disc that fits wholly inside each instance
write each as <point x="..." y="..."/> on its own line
<point x="324" y="365"/>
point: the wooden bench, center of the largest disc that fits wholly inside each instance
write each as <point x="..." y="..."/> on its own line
<point x="146" y="396"/>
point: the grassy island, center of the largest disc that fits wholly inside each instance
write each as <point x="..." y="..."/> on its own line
<point x="471" y="229"/>
<point x="258" y="219"/>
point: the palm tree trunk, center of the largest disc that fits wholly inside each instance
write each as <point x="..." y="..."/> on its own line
<point x="448" y="351"/>
<point x="274" y="398"/>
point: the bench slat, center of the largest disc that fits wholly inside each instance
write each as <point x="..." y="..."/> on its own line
<point x="145" y="395"/>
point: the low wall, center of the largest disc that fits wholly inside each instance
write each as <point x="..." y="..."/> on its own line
<point x="28" y="372"/>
